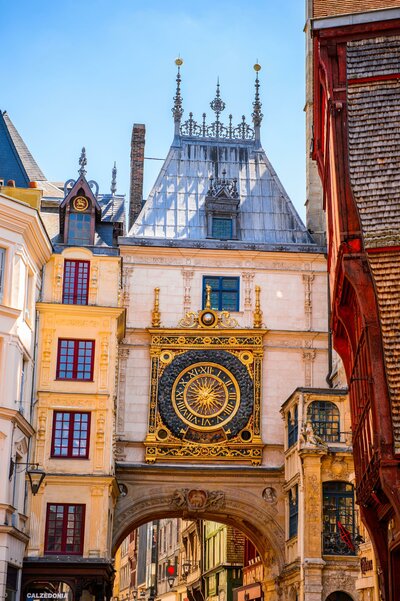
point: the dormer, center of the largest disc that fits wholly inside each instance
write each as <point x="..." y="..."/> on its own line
<point x="222" y="208"/>
<point x="79" y="210"/>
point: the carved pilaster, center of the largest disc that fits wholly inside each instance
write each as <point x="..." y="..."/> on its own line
<point x="248" y="282"/>
<point x="93" y="282"/>
<point x="187" y="287"/>
<point x="104" y="359"/>
<point x="308" y="360"/>
<point x="307" y="281"/>
<point x="48" y="336"/>
<point x="41" y="436"/>
<point x="123" y="359"/>
<point x="127" y="272"/>
<point x="58" y="279"/>
<point x="99" y="441"/>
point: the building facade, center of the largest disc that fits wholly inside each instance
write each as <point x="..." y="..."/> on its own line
<point x="356" y="147"/>
<point x="24" y="249"/>
<point x="80" y="324"/>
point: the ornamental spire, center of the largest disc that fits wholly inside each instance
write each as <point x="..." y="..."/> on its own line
<point x="82" y="162"/>
<point x="177" y="109"/>
<point x="257" y="114"/>
<point x="113" y="187"/>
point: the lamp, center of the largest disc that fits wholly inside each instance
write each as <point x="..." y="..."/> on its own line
<point x="186" y="567"/>
<point x="171" y="580"/>
<point x="35" y="474"/>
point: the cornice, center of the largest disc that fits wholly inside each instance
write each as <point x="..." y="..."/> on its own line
<point x="17" y="418"/>
<point x="25" y="220"/>
<point x="80" y="310"/>
<point x="24" y="538"/>
<point x="9" y="312"/>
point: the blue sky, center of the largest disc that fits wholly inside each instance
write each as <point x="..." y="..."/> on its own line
<point x="81" y="73"/>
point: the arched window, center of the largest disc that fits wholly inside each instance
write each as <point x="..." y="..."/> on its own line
<point x="339" y="596"/>
<point x="338" y="519"/>
<point x="293" y="426"/>
<point x="325" y="418"/>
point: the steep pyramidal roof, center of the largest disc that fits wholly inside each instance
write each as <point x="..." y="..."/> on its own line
<point x="176" y="209"/>
<point x="16" y="162"/>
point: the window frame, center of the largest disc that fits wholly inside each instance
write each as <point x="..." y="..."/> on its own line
<point x="75" y="360"/>
<point x="293" y="512"/>
<point x="337" y="494"/>
<point x="220" y="292"/>
<point x="70" y="435"/>
<point x="293" y="429"/>
<point x="64" y="529"/>
<point x="325" y="428"/>
<point x="217" y="220"/>
<point x="78" y="242"/>
<point x="3" y="256"/>
<point x="75" y="292"/>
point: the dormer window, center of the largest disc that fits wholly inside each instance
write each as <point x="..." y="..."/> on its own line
<point x="222" y="209"/>
<point x="222" y="228"/>
<point x="79" y="222"/>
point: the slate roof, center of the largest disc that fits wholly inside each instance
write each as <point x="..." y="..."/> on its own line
<point x="112" y="207"/>
<point x="16" y="162"/>
<point x="175" y="208"/>
<point x="374" y="163"/>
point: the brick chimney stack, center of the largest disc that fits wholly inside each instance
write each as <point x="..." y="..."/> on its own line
<point x="137" y="170"/>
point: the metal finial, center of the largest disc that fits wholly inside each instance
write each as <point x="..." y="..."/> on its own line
<point x="257" y="313"/>
<point x="217" y="105"/>
<point x="155" y="314"/>
<point x="177" y="109"/>
<point x="82" y="162"/>
<point x="257" y="114"/>
<point x="114" y="179"/>
<point x="208" y="296"/>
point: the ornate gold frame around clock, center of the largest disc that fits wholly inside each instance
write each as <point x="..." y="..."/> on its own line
<point x="196" y="333"/>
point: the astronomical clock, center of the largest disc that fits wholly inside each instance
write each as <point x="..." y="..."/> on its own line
<point x="205" y="389"/>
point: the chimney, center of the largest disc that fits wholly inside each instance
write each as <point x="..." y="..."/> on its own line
<point x="137" y="169"/>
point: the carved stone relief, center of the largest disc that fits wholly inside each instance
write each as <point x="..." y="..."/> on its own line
<point x="198" y="499"/>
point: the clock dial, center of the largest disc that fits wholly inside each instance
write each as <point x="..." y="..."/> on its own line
<point x="205" y="396"/>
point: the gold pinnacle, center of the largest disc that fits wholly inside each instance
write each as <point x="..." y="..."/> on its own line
<point x="257" y="314"/>
<point x="178" y="61"/>
<point x="155" y="315"/>
<point x="208" y="296"/>
<point x="257" y="67"/>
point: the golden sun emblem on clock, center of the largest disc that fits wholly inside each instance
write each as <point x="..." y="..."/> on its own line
<point x="206" y="396"/>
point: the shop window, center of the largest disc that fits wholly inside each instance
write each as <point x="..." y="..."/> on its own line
<point x="293" y="426"/>
<point x="325" y="418"/>
<point x="70" y="435"/>
<point x="64" y="529"/>
<point x="224" y="293"/>
<point x="76" y="282"/>
<point x="75" y="359"/>
<point x="338" y="518"/>
<point x="293" y="511"/>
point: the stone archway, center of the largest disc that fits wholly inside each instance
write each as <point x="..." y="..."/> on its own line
<point x="232" y="496"/>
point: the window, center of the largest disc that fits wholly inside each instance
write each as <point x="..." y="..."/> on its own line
<point x="64" y="529"/>
<point x="2" y="272"/>
<point x="70" y="435"/>
<point x="293" y="427"/>
<point x="79" y="229"/>
<point x="224" y="293"/>
<point x="28" y="308"/>
<point x="325" y="419"/>
<point x="76" y="282"/>
<point x="293" y="511"/>
<point x="22" y="384"/>
<point x="75" y="359"/>
<point x="222" y="228"/>
<point x="339" y="519"/>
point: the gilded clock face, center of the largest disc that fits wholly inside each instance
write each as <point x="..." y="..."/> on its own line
<point x="205" y="396"/>
<point x="81" y="203"/>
